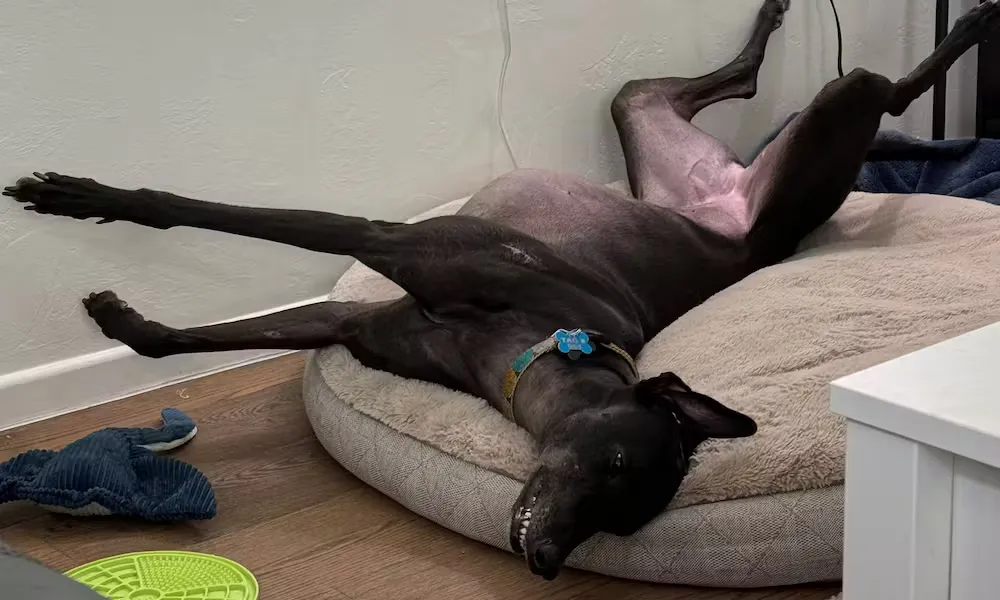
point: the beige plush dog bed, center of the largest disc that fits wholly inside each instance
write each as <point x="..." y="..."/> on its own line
<point x="888" y="275"/>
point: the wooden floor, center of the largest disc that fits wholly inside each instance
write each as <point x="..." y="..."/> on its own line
<point x="286" y="510"/>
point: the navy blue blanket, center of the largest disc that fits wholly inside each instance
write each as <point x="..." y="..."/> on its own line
<point x="902" y="164"/>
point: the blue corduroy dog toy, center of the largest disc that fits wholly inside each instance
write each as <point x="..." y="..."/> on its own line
<point x="115" y="471"/>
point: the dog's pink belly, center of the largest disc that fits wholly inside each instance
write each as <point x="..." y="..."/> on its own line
<point x="566" y="212"/>
<point x="596" y="223"/>
<point x="667" y="261"/>
<point x="726" y="214"/>
<point x="574" y="214"/>
<point x="713" y="195"/>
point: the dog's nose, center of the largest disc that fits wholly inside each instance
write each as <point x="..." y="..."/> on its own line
<point x="547" y="558"/>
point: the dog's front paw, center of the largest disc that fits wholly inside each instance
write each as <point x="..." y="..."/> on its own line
<point x="118" y="321"/>
<point x="55" y="194"/>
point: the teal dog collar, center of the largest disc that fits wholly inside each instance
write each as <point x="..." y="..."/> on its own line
<point x="573" y="344"/>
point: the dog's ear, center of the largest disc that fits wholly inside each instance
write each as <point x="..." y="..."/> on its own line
<point x="707" y="415"/>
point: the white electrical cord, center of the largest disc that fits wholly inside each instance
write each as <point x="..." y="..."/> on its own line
<point x="505" y="32"/>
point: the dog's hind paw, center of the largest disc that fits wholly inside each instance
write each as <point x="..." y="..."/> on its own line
<point x="981" y="21"/>
<point x="777" y="10"/>
<point x="118" y="321"/>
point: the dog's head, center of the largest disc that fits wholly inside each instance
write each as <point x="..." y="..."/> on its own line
<point x="615" y="468"/>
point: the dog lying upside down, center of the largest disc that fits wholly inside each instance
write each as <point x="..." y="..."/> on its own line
<point x="535" y="253"/>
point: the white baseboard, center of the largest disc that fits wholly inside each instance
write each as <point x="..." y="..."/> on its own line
<point x="87" y="380"/>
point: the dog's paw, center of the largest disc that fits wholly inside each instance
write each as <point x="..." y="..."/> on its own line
<point x="55" y="194"/>
<point x="118" y="321"/>
<point x="777" y="10"/>
<point x="981" y="21"/>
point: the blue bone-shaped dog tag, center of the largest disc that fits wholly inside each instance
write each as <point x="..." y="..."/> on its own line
<point x="573" y="343"/>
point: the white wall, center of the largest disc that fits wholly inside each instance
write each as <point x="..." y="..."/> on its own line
<point x="380" y="108"/>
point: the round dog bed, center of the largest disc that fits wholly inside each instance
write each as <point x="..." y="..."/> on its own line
<point x="886" y="276"/>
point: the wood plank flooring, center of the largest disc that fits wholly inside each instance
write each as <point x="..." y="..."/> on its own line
<point x="307" y="528"/>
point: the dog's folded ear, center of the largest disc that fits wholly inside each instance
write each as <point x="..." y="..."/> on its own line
<point x="709" y="416"/>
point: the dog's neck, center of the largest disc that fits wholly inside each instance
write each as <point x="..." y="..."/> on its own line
<point x="556" y="388"/>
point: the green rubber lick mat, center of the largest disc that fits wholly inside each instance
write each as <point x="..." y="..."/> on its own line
<point x="167" y="576"/>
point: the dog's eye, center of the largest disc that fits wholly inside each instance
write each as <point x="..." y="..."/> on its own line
<point x="618" y="464"/>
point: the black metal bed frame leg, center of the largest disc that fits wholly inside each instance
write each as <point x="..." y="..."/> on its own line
<point x="941" y="87"/>
<point x="988" y="90"/>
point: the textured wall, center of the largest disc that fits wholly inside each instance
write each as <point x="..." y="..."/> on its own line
<point x="380" y="108"/>
<point x="376" y="107"/>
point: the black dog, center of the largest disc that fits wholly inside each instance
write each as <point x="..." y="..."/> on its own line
<point x="534" y="252"/>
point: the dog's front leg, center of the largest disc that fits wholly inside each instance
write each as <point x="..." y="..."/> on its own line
<point x="306" y="327"/>
<point x="81" y="198"/>
<point x="438" y="261"/>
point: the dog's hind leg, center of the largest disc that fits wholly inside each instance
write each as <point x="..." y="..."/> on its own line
<point x="670" y="161"/>
<point x="802" y="177"/>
